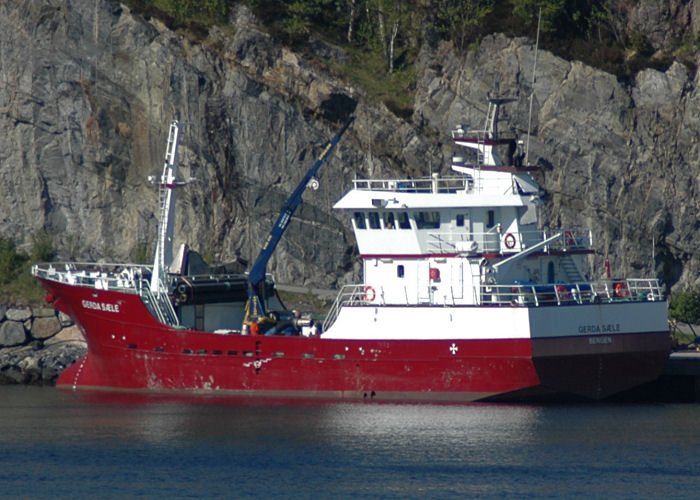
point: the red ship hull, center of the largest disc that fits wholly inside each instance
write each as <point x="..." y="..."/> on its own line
<point x="128" y="349"/>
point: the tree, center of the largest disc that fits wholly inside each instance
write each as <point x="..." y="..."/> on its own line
<point x="394" y="15"/>
<point x="10" y="261"/>
<point x="352" y="15"/>
<point x="42" y="247"/>
<point x="299" y="18"/>
<point x="559" y="17"/>
<point x="458" y="20"/>
<point x="685" y="307"/>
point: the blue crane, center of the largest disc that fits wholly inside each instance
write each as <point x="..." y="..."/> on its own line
<point x="256" y="277"/>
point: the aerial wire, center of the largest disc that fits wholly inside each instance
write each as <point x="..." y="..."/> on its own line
<point x="532" y="90"/>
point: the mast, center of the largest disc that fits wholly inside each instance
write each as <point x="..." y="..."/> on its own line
<point x="166" y="198"/>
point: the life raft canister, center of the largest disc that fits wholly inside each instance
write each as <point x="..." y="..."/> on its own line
<point x="621" y="290"/>
<point x="370" y="294"/>
<point x="509" y="240"/>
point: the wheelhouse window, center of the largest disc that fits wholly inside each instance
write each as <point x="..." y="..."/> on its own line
<point x="389" y="222"/>
<point x="399" y="271"/>
<point x="360" y="220"/>
<point x="490" y="218"/>
<point x="428" y="220"/>
<point x="373" y="220"/>
<point x="459" y="220"/>
<point x="404" y="223"/>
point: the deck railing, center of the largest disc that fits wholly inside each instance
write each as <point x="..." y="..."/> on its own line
<point x="127" y="278"/>
<point x="123" y="277"/>
<point x="423" y="185"/>
<point x="623" y="290"/>
<point x="349" y="295"/>
<point x="513" y="295"/>
<point x="465" y="184"/>
<point x="491" y="241"/>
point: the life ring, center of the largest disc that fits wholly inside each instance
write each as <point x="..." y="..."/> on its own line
<point x="370" y="294"/>
<point x="570" y="240"/>
<point x="563" y="293"/>
<point x="509" y="240"/>
<point x="621" y="290"/>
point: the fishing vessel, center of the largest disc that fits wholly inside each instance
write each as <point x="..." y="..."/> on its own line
<point x="464" y="298"/>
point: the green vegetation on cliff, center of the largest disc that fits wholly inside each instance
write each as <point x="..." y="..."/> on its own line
<point x="17" y="285"/>
<point x="684" y="307"/>
<point x="382" y="37"/>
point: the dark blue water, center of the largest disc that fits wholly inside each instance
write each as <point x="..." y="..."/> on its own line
<point x="71" y="445"/>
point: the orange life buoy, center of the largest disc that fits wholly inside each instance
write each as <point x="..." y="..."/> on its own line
<point x="509" y="240"/>
<point x="370" y="294"/>
<point x="621" y="290"/>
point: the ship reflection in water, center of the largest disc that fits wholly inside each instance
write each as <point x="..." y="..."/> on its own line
<point x="110" y="445"/>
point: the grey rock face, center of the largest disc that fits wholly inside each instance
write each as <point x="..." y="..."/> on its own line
<point x="26" y="365"/>
<point x="12" y="333"/>
<point x="18" y="314"/>
<point x="620" y="160"/>
<point x="43" y="328"/>
<point x="64" y="319"/>
<point x="56" y="358"/>
<point x="89" y="89"/>
<point x="43" y="312"/>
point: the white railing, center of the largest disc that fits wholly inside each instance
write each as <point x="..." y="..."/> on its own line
<point x="127" y="278"/>
<point x="528" y="295"/>
<point x="123" y="277"/>
<point x="349" y="295"/>
<point x="454" y="184"/>
<point x="492" y="241"/>
<point x="623" y="290"/>
<point x="423" y="185"/>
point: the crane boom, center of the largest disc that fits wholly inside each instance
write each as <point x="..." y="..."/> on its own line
<point x="257" y="272"/>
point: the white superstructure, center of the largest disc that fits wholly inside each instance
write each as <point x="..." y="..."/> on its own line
<point x="471" y="239"/>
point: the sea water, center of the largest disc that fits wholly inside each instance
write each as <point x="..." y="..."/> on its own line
<point x="56" y="444"/>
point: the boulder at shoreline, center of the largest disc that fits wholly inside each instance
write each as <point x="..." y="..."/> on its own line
<point x="37" y="344"/>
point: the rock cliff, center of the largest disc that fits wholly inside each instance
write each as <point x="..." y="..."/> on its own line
<point x="87" y="90"/>
<point x="618" y="159"/>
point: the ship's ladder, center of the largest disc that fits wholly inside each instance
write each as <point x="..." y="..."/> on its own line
<point x="170" y="150"/>
<point x="481" y="144"/>
<point x="171" y="147"/>
<point x="571" y="269"/>
<point x="490" y="120"/>
<point x="348" y="295"/>
<point x="159" y="304"/>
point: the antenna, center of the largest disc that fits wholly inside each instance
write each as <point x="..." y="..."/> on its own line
<point x="532" y="91"/>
